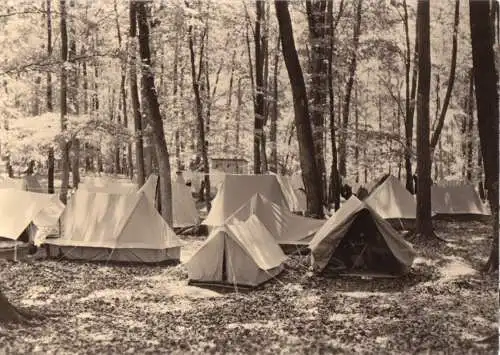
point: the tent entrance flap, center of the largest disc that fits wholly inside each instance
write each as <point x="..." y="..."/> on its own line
<point x="363" y="249"/>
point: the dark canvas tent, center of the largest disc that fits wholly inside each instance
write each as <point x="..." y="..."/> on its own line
<point x="357" y="240"/>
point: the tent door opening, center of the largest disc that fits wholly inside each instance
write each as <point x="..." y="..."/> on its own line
<point x="363" y="250"/>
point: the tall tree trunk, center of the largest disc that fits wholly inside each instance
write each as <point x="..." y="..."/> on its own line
<point x="451" y="80"/>
<point x="470" y="129"/>
<point x="239" y="104"/>
<point x="202" y="147"/>
<point x="348" y="90"/>
<point x="259" y="86"/>
<point x="310" y="171"/>
<point x="316" y="18"/>
<point x="356" y="133"/>
<point x="50" y="158"/>
<point x="123" y="93"/>
<point x="134" y="96"/>
<point x="334" y="189"/>
<point x="273" y="129"/>
<point x="409" y="99"/>
<point x="486" y="84"/>
<point x="228" y="108"/>
<point x="150" y="94"/>
<point x="75" y="107"/>
<point x="424" y="222"/>
<point x="64" y="108"/>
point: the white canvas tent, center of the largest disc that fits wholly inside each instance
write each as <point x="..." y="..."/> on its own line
<point x="9" y="183"/>
<point x="108" y="185"/>
<point x="184" y="211"/>
<point x="357" y="240"/>
<point x="114" y="227"/>
<point x="18" y="209"/>
<point x="294" y="197"/>
<point x="457" y="201"/>
<point x="236" y="190"/>
<point x="285" y="227"/>
<point x="26" y="217"/>
<point x="393" y="203"/>
<point x="242" y="254"/>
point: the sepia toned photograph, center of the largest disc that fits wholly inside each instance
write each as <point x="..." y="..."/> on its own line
<point x="249" y="176"/>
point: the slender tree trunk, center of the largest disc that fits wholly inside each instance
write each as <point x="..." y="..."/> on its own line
<point x="348" y="90"/>
<point x="451" y="80"/>
<point x="356" y="133"/>
<point x="51" y="158"/>
<point x="228" y="108"/>
<point x="127" y="165"/>
<point x="334" y="190"/>
<point x="410" y="100"/>
<point x="239" y="104"/>
<point x="150" y="94"/>
<point x="486" y="84"/>
<point x="259" y="86"/>
<point x="64" y="108"/>
<point x="470" y="129"/>
<point x="424" y="222"/>
<point x="201" y="123"/>
<point x="134" y="96"/>
<point x="273" y="129"/>
<point x="75" y="143"/>
<point x="310" y="171"/>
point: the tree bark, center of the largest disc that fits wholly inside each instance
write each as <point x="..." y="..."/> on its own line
<point x="348" y="90"/>
<point x="50" y="158"/>
<point x="469" y="135"/>
<point x="316" y="18"/>
<point x="228" y="108"/>
<point x="310" y="171"/>
<point x="134" y="96"/>
<point x="201" y="122"/>
<point x="75" y="107"/>
<point x="155" y="119"/>
<point x="239" y="104"/>
<point x="486" y="83"/>
<point x="259" y="86"/>
<point x="424" y="222"/>
<point x="410" y="100"/>
<point x="451" y="79"/>
<point x="64" y="108"/>
<point x="128" y="167"/>
<point x="273" y="129"/>
<point x="334" y="190"/>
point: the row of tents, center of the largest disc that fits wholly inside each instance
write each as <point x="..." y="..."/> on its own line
<point x="251" y="224"/>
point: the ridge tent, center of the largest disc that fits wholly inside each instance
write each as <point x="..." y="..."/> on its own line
<point x="357" y="240"/>
<point x="9" y="183"/>
<point x="149" y="188"/>
<point x="114" y="227"/>
<point x="296" y="181"/>
<point x="108" y="185"/>
<point x="294" y="197"/>
<point x="239" y="254"/>
<point x="236" y="190"/>
<point x="32" y="184"/>
<point x="25" y="217"/>
<point x="185" y="213"/>
<point x="393" y="203"/>
<point x="284" y="226"/>
<point x="184" y="209"/>
<point x="458" y="201"/>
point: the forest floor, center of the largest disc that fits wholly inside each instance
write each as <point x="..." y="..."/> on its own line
<point x="444" y="305"/>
